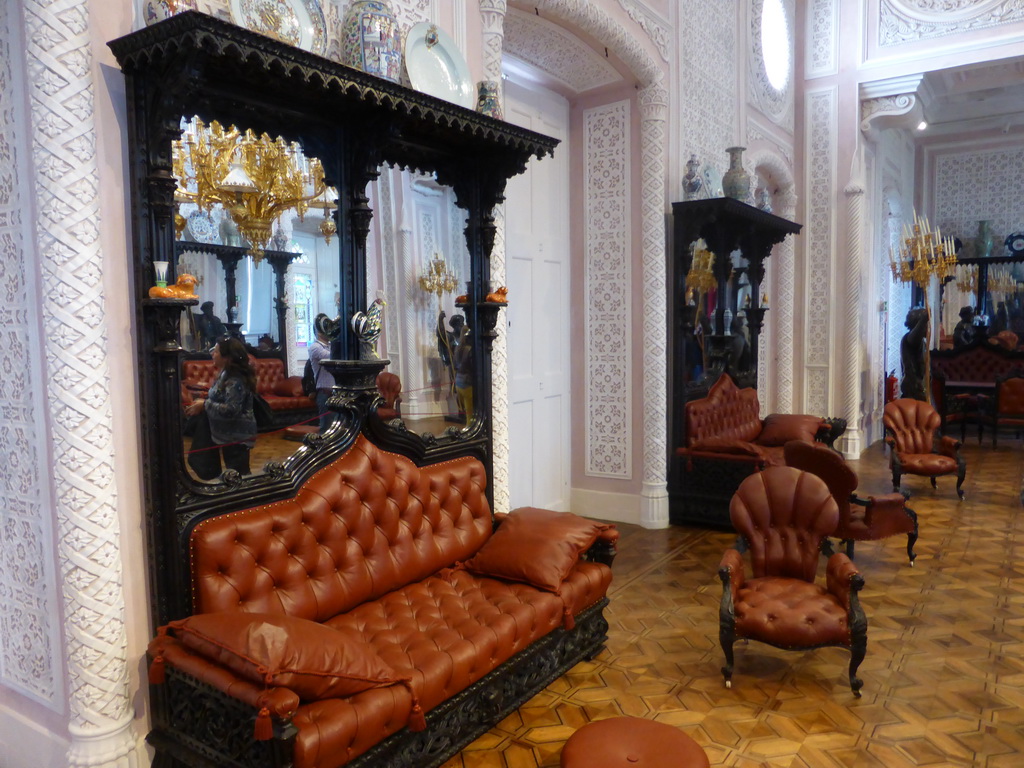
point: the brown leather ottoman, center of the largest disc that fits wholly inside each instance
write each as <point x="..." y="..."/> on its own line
<point x="624" y="742"/>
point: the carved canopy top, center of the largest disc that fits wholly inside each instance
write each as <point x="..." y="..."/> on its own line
<point x="208" y="65"/>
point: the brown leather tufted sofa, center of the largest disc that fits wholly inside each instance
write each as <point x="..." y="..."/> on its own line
<point x="283" y="393"/>
<point x="963" y="380"/>
<point x="376" y="549"/>
<point x="726" y="440"/>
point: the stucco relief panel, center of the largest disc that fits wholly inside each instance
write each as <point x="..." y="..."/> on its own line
<point x="607" y="288"/>
<point x="971" y="186"/>
<point x="904" y="21"/>
<point x="822" y="38"/>
<point x="29" y="650"/>
<point x="656" y="27"/>
<point x="775" y="103"/>
<point x="820" y="183"/>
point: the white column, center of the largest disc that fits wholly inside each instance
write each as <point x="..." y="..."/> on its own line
<point x="61" y="96"/>
<point x="653" y="101"/>
<point x="851" y="443"/>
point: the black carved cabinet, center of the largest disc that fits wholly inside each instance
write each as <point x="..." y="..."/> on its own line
<point x="714" y="330"/>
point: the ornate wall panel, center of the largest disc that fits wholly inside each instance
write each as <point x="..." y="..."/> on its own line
<point x="821" y="55"/>
<point x="558" y="53"/>
<point x="74" y="324"/>
<point x="905" y="21"/>
<point x="608" y="313"/>
<point x="30" y="652"/>
<point x="708" y="82"/>
<point x="977" y="184"/>
<point x="819" y="236"/>
<point x="650" y="22"/>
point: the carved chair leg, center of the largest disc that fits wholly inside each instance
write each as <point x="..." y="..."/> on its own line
<point x="726" y="637"/>
<point x="826" y="547"/>
<point x="896" y="474"/>
<point x="858" y="633"/>
<point x="960" y="481"/>
<point x="849" y="548"/>
<point x="935" y="483"/>
<point x="912" y="537"/>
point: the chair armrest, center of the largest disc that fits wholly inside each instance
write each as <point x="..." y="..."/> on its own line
<point x="842" y="578"/>
<point x="730" y="571"/>
<point x="603" y="550"/>
<point x="281" y="702"/>
<point x="948" y="446"/>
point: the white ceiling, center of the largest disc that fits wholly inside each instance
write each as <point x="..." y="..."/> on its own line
<point x="975" y="97"/>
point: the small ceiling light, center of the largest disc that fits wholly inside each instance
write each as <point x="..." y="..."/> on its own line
<point x="922" y="125"/>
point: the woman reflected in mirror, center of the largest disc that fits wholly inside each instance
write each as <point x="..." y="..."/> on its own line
<point x="225" y="424"/>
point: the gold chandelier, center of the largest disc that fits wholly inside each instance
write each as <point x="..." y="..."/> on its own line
<point x="967" y="278"/>
<point x="255" y="178"/>
<point x="438" y="278"/>
<point x="922" y="254"/>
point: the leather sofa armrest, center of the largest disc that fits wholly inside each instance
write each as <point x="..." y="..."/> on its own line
<point x="603" y="550"/>
<point x="289" y="387"/>
<point x="281" y="702"/>
<point x="842" y="578"/>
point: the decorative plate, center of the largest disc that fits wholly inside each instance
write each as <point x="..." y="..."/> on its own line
<point x="202" y="227"/>
<point x="436" y="66"/>
<point x="1015" y="243"/>
<point x="296" y="22"/>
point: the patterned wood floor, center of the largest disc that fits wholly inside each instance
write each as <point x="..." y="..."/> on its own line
<point x="943" y="677"/>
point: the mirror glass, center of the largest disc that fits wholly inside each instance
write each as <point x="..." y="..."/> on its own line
<point x="418" y="263"/>
<point x="265" y="297"/>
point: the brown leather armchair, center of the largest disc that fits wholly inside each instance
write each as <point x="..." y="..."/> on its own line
<point x="916" y="448"/>
<point x="1008" y="404"/>
<point x="389" y="385"/>
<point x="860" y="519"/>
<point x="783" y="514"/>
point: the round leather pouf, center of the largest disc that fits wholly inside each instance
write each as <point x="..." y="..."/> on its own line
<point x="625" y="742"/>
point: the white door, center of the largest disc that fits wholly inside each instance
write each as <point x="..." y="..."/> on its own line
<point x="537" y="272"/>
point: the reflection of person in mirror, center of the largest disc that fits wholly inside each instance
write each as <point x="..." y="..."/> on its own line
<point x="225" y="423"/>
<point x="463" y="368"/>
<point x="319" y="351"/>
<point x="209" y="326"/>
<point x="964" y="332"/>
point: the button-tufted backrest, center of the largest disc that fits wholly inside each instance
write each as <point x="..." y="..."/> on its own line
<point x="728" y="412"/>
<point x="784" y="513"/>
<point x="1010" y="394"/>
<point x="912" y="424"/>
<point x="269" y="371"/>
<point x="820" y="460"/>
<point x="363" y="526"/>
<point x="983" y="363"/>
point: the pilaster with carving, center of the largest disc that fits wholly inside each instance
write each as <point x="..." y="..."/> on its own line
<point x="653" y="101"/>
<point x="855" y="258"/>
<point x="74" y="319"/>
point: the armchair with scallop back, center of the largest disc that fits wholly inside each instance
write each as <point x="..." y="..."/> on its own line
<point x="915" y="445"/>
<point x="860" y="519"/>
<point x="390" y="387"/>
<point x="783" y="515"/>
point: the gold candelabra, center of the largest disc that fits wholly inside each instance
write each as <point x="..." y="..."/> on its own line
<point x="923" y="254"/>
<point x="967" y="278"/>
<point x="255" y="178"/>
<point x="438" y="278"/>
<point x="700" y="279"/>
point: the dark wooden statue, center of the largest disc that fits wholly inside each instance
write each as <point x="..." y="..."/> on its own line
<point x="913" y="352"/>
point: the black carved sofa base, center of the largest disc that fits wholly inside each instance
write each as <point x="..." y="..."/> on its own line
<point x="197" y="726"/>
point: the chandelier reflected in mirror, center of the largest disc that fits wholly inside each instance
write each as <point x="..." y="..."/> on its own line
<point x="256" y="179"/>
<point x="438" y="279"/>
<point x="923" y="252"/>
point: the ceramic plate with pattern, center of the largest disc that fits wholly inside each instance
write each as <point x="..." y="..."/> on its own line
<point x="296" y="22"/>
<point x="202" y="227"/>
<point x="436" y="66"/>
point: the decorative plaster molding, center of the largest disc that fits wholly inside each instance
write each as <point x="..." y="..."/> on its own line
<point x="856" y="224"/>
<point x="822" y="36"/>
<point x="558" y="53"/>
<point x="78" y="382"/>
<point x="892" y="107"/>
<point x="500" y="429"/>
<point x="607" y="290"/>
<point x="653" y="101"/>
<point x="907" y="21"/>
<point x="492" y="16"/>
<point x="819" y="247"/>
<point x="657" y="28"/>
<point x="30" y="652"/>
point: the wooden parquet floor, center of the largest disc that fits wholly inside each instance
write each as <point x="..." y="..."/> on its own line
<point x="943" y="676"/>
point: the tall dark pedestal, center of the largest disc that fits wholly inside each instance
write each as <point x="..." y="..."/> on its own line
<point x="726" y="226"/>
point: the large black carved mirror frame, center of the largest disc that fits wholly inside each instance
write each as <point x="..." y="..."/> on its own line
<point x="193" y="64"/>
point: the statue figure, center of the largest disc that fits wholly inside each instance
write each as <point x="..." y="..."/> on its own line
<point x="914" y="353"/>
<point x="210" y="327"/>
<point x="964" y="334"/>
<point x="739" y="350"/>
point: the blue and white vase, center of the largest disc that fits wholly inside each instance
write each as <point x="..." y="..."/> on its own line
<point x="371" y="40"/>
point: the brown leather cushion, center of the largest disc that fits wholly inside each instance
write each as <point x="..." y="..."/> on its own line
<point x="790" y="613"/>
<point x="311" y="659"/>
<point x="535" y="546"/>
<point x="929" y="464"/>
<point x="632" y="741"/>
<point x="726" y="445"/>
<point x="780" y="428"/>
<point x="290" y="387"/>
